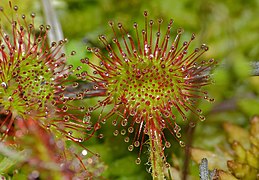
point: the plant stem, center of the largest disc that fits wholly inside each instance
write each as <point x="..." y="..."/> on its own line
<point x="156" y="155"/>
<point x="190" y="134"/>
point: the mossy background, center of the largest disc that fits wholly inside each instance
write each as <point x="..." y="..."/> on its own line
<point x="229" y="28"/>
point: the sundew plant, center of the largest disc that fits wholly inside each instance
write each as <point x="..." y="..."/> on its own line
<point x="33" y="96"/>
<point x="150" y="77"/>
<point x="34" y="78"/>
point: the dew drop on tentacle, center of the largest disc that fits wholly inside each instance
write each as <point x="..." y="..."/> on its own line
<point x="178" y="135"/>
<point x="202" y="118"/>
<point x="204" y="47"/>
<point x="130" y="129"/>
<point x="69" y="133"/>
<point x="167" y="144"/>
<point x="124" y="122"/>
<point x="80" y="139"/>
<point x="66" y="118"/>
<point x="138" y="161"/>
<point x="4" y="85"/>
<point x="100" y="136"/>
<point x="136" y="143"/>
<point x="192" y="124"/>
<point x="199" y="111"/>
<point x="103" y="121"/>
<point x="15" y="8"/>
<point x="114" y="122"/>
<point x="116" y="132"/>
<point x="111" y="23"/>
<point x="81" y="108"/>
<point x="211" y="99"/>
<point x="182" y="144"/>
<point x="126" y="139"/>
<point x="90" y="109"/>
<point x="145" y="13"/>
<point x="130" y="147"/>
<point x="64" y="108"/>
<point x="123" y="132"/>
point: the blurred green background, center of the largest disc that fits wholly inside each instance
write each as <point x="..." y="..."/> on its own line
<point x="230" y="29"/>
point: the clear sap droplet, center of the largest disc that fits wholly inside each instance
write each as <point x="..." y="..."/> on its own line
<point x="136" y="143"/>
<point x="167" y="144"/>
<point x="100" y="136"/>
<point x="123" y="132"/>
<point x="130" y="129"/>
<point x="4" y="85"/>
<point x="183" y="68"/>
<point x="114" y="122"/>
<point x="48" y="126"/>
<point x="178" y="135"/>
<point x="192" y="124"/>
<point x="126" y="139"/>
<point x="115" y="133"/>
<point x="10" y="98"/>
<point x="182" y="144"/>
<point x="103" y="121"/>
<point x="124" y="122"/>
<point x="90" y="109"/>
<point x="202" y="118"/>
<point x="211" y="99"/>
<point x="66" y="118"/>
<point x="64" y="108"/>
<point x="138" y="120"/>
<point x="145" y="131"/>
<point x="82" y="108"/>
<point x="138" y="161"/>
<point x="130" y="147"/>
<point x="199" y="111"/>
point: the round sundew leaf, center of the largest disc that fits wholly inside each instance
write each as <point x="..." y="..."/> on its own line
<point x="152" y="80"/>
<point x="35" y="82"/>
